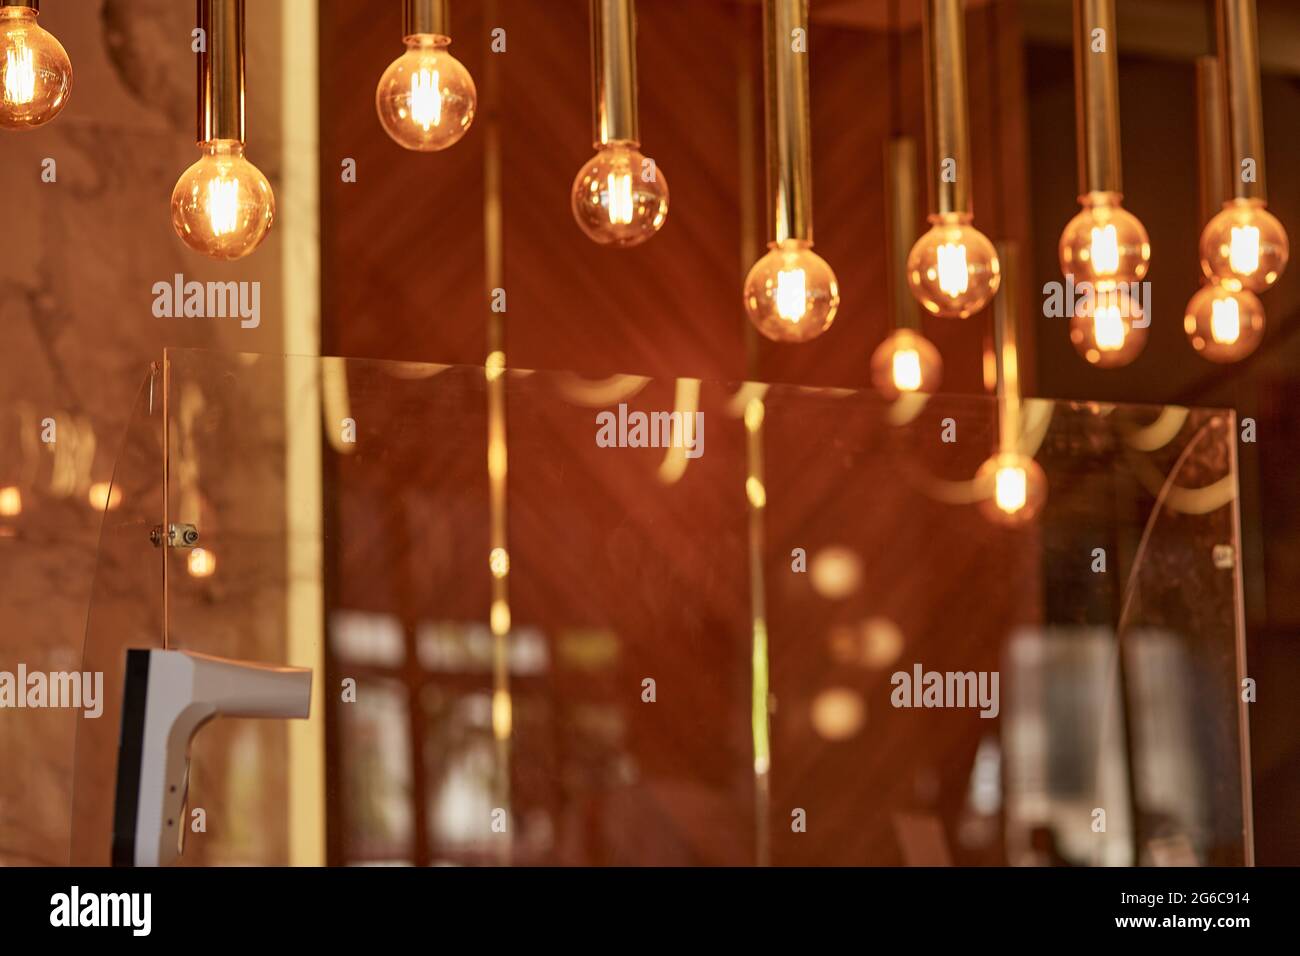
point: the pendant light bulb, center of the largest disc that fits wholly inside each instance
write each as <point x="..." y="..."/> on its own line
<point x="905" y="362"/>
<point x="1223" y="324"/>
<point x="1014" y="488"/>
<point x="953" y="269"/>
<point x="791" y="293"/>
<point x="426" y="98"/>
<point x="1245" y="246"/>
<point x="619" y="197"/>
<point x="35" y="72"/>
<point x="1107" y="329"/>
<point x="223" y="206"/>
<point x="1105" y="244"/>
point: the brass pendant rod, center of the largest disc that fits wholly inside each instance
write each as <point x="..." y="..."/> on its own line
<point x="29" y="4"/>
<point x="1006" y="318"/>
<point x="1096" y="94"/>
<point x="613" y="71"/>
<point x="789" y="122"/>
<point x="426" y="18"/>
<point x="221" y="71"/>
<point x="946" y="107"/>
<point x="1211" y="129"/>
<point x="900" y="167"/>
<point x="1239" y="60"/>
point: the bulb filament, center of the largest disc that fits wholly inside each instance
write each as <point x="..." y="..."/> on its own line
<point x="954" y="279"/>
<point x="907" y="370"/>
<point x="1011" y="489"/>
<point x="1108" y="328"/>
<point x="20" y="76"/>
<point x="426" y="98"/>
<point x="791" y="294"/>
<point x="1225" y="321"/>
<point x="619" y="186"/>
<point x="1243" y="255"/>
<point x="223" y="205"/>
<point x="1105" y="250"/>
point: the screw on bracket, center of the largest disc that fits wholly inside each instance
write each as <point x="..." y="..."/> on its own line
<point x="178" y="536"/>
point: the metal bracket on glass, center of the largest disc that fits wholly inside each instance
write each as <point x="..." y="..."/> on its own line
<point x="178" y="536"/>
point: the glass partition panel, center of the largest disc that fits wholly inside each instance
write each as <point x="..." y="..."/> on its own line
<point x="556" y="620"/>
<point x="126" y="610"/>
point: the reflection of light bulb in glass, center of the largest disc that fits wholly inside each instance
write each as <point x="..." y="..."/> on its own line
<point x="1013" y="488"/>
<point x="104" y="496"/>
<point x="11" y="502"/>
<point x="1108" y="328"/>
<point x="1244" y="246"/>
<point x="1224" y="324"/>
<point x="791" y="294"/>
<point x="906" y="361"/>
<point x="1104" y="244"/>
<point x="953" y="269"/>
<point x="201" y="563"/>
<point x="620" y="198"/>
<point x="35" y="73"/>
<point x="223" y="206"/>
<point x="426" y="98"/>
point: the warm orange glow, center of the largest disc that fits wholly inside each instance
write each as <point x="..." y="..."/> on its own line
<point x="201" y="563"/>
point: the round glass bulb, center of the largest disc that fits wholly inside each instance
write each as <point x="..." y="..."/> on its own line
<point x="906" y="362"/>
<point x="223" y="206"/>
<point x="619" y="197"/>
<point x="1224" y="324"/>
<point x="35" y="72"/>
<point x="1244" y="246"/>
<point x="426" y="98"/>
<point x="791" y="294"/>
<point x="1107" y="329"/>
<point x="1013" y="488"/>
<point x="953" y="269"/>
<point x="1104" y="244"/>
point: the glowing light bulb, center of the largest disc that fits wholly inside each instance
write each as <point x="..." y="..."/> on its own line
<point x="1013" y="488"/>
<point x="1108" y="329"/>
<point x="791" y="294"/>
<point x="620" y="198"/>
<point x="104" y="496"/>
<point x="1104" y="244"/>
<point x="201" y="563"/>
<point x="1244" y="246"/>
<point x="35" y="72"/>
<point x="426" y="98"/>
<point x="1223" y="324"/>
<point x="223" y="206"/>
<point x="11" y="502"/>
<point x="906" y="361"/>
<point x="953" y="269"/>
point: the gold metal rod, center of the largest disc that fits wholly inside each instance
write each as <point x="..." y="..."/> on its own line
<point x="1239" y="56"/>
<point x="221" y="71"/>
<point x="1006" y="319"/>
<point x="789" y="120"/>
<point x="900" y="211"/>
<point x="1211" y="129"/>
<point x="946" y="107"/>
<point x="29" y="4"/>
<point x="426" y="18"/>
<point x="613" y="71"/>
<point x="1096" y="94"/>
